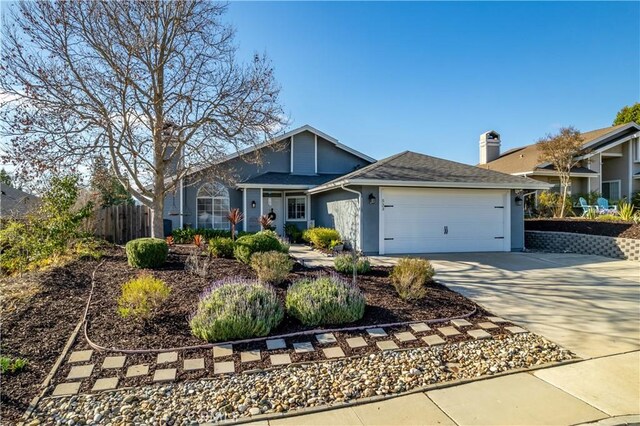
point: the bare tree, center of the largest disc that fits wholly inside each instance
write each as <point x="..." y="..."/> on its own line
<point x="153" y="85"/>
<point x="561" y="150"/>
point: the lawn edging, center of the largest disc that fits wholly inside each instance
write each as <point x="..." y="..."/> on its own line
<point x="567" y="242"/>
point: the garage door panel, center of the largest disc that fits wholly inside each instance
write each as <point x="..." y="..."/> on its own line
<point x="427" y="220"/>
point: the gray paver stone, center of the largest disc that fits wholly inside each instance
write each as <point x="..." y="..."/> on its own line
<point x="386" y="345"/>
<point x="516" y="330"/>
<point x="164" y="375"/>
<point x="80" y="356"/>
<point x="114" y="362"/>
<point x="138" y="370"/>
<point x="220" y="351"/>
<point x="405" y="336"/>
<point x="280" y="359"/>
<point x="479" y="334"/>
<point x="223" y="367"/>
<point x="326" y="338"/>
<point x="461" y="323"/>
<point x="276" y="344"/>
<point x="80" y="372"/>
<point x="302" y="347"/>
<point x="66" y="389"/>
<point x="487" y="325"/>
<point x="250" y="356"/>
<point x="377" y="332"/>
<point x="193" y="364"/>
<point x="105" y="384"/>
<point x="167" y="357"/>
<point x="356" y="342"/>
<point x="333" y="352"/>
<point x="420" y="327"/>
<point x="433" y="340"/>
<point x="448" y="331"/>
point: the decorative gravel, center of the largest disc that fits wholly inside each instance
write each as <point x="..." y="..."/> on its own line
<point x="297" y="386"/>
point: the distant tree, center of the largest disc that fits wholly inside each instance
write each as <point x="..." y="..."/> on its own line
<point x="105" y="183"/>
<point x="560" y="150"/>
<point x="5" y="177"/>
<point x="628" y="114"/>
<point x="154" y="86"/>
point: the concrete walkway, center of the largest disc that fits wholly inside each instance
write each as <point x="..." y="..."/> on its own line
<point x="588" y="304"/>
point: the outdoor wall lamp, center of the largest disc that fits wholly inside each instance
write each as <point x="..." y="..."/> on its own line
<point x="253" y="204"/>
<point x="518" y="200"/>
<point x="372" y="199"/>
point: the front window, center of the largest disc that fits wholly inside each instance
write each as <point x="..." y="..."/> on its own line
<point x="213" y="206"/>
<point x="296" y="208"/>
<point x="611" y="190"/>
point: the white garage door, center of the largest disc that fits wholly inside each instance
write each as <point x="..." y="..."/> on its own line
<point x="418" y="220"/>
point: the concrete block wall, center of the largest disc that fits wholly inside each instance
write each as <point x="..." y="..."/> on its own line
<point x="565" y="242"/>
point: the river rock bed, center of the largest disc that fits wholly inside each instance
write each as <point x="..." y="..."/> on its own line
<point x="297" y="386"/>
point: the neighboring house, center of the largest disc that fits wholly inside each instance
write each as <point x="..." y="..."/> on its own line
<point x="15" y="203"/>
<point x="406" y="203"/>
<point x="610" y="162"/>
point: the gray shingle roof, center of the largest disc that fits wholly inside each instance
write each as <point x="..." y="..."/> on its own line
<point x="15" y="202"/>
<point x="414" y="167"/>
<point x="275" y="178"/>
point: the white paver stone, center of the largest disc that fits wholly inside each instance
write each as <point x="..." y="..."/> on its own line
<point x="114" y="362"/>
<point x="516" y="330"/>
<point x="80" y="356"/>
<point x="164" y="375"/>
<point x="387" y="345"/>
<point x="66" y="389"/>
<point x="461" y="323"/>
<point x="167" y="357"/>
<point x="448" y="331"/>
<point x="356" y="342"/>
<point x="193" y="364"/>
<point x="223" y="367"/>
<point x="377" y="332"/>
<point x="250" y="356"/>
<point x="420" y="327"/>
<point x="478" y="334"/>
<point x="433" y="340"/>
<point x="280" y="359"/>
<point x="108" y="383"/>
<point x="333" y="352"/>
<point x="326" y="338"/>
<point x="487" y="325"/>
<point x="138" y="370"/>
<point x="405" y="336"/>
<point x="301" y="347"/>
<point x="80" y="372"/>
<point x="220" y="351"/>
<point x="276" y="344"/>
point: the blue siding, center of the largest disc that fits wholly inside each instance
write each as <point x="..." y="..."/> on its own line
<point x="517" y="224"/>
<point x="304" y="157"/>
<point x="252" y="215"/>
<point x="332" y="159"/>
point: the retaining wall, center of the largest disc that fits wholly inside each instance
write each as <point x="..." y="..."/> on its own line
<point x="566" y="242"/>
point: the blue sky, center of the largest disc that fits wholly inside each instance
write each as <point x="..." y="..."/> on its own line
<point x="430" y="77"/>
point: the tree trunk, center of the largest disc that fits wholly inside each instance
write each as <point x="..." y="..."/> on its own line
<point x="157" y="217"/>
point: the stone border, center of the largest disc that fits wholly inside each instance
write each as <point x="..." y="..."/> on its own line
<point x="567" y="242"/>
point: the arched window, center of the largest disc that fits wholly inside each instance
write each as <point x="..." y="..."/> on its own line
<point x="213" y="206"/>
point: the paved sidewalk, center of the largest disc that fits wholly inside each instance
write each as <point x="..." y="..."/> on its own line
<point x="585" y="392"/>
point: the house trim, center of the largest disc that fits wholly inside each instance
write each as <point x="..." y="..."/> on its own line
<point x="608" y="146"/>
<point x="286" y="208"/>
<point x="274" y="186"/>
<point x="554" y="173"/>
<point x="244" y="209"/>
<point x="291" y="150"/>
<point x="315" y="154"/>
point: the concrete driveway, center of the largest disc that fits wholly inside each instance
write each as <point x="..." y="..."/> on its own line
<point x="588" y="304"/>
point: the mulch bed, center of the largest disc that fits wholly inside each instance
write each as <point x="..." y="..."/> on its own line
<point x="37" y="328"/>
<point x="585" y="226"/>
<point x="171" y="329"/>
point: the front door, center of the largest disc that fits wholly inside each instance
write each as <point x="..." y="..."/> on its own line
<point x="273" y="202"/>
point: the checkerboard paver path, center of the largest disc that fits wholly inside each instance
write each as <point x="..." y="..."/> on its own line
<point x="80" y="372"/>
<point x="193" y="364"/>
<point x="377" y="332"/>
<point x="66" y="389"/>
<point x="461" y="323"/>
<point x="108" y="383"/>
<point x="164" y="375"/>
<point x="138" y="370"/>
<point x="487" y="325"/>
<point x="223" y="367"/>
<point x="516" y="330"/>
<point x="448" y="331"/>
<point x="479" y="334"/>
<point x="220" y="351"/>
<point x="326" y="338"/>
<point x="433" y="340"/>
<point x="167" y="357"/>
<point x="405" y="336"/>
<point x="280" y="359"/>
<point x="274" y="344"/>
<point x="250" y="356"/>
<point x="386" y="345"/>
<point x="356" y="342"/>
<point x="80" y="356"/>
<point x="302" y="347"/>
<point x="420" y="327"/>
<point x="333" y="352"/>
<point x="114" y="362"/>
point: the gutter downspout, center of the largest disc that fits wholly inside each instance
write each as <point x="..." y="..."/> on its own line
<point x="359" y="241"/>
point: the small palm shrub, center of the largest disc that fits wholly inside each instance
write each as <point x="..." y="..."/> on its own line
<point x="147" y="252"/>
<point x="221" y="247"/>
<point x="325" y="300"/>
<point x="142" y="296"/>
<point x="410" y="276"/>
<point x="321" y="237"/>
<point x="625" y="210"/>
<point x="12" y="365"/>
<point x="344" y="264"/>
<point x="262" y="241"/>
<point x="236" y="309"/>
<point x="271" y="266"/>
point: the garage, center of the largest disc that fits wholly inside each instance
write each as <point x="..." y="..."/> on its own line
<point x="424" y="220"/>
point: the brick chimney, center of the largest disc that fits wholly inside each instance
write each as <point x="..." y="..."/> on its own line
<point x="489" y="146"/>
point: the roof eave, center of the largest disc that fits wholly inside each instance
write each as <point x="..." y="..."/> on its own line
<point x="529" y="184"/>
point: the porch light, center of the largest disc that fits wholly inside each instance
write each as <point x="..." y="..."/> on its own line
<point x="372" y="199"/>
<point x="253" y="204"/>
<point x="518" y="200"/>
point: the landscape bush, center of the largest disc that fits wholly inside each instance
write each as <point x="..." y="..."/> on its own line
<point x="10" y="365"/>
<point x="626" y="210"/>
<point x="263" y="241"/>
<point x="325" y="300"/>
<point x="88" y="248"/>
<point x="321" y="237"/>
<point x="344" y="264"/>
<point x="271" y="266"/>
<point x="410" y="277"/>
<point x="221" y="247"/>
<point x="147" y="252"/>
<point x="186" y="236"/>
<point x="293" y="232"/>
<point x="550" y="204"/>
<point x="142" y="296"/>
<point x="236" y="309"/>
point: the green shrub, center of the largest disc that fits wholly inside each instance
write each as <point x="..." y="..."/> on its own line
<point x="609" y="218"/>
<point x="89" y="248"/>
<point x="236" y="309"/>
<point x="550" y="204"/>
<point x="410" y="276"/>
<point x="147" y="252"/>
<point x="321" y="237"/>
<point x="185" y="236"/>
<point x="293" y="232"/>
<point x="221" y="247"/>
<point x="260" y="242"/>
<point x="325" y="300"/>
<point x="271" y="266"/>
<point x="12" y="365"/>
<point x="626" y="210"/>
<point x="142" y="296"/>
<point x="344" y="263"/>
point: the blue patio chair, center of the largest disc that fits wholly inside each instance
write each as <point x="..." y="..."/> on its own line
<point x="604" y="208"/>
<point x="585" y="206"/>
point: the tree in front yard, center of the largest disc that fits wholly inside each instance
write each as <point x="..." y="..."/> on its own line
<point x="153" y="86"/>
<point x="628" y="114"/>
<point x="561" y="150"/>
<point x="106" y="184"/>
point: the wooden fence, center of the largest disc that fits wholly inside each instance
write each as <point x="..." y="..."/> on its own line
<point x="119" y="224"/>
